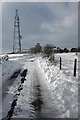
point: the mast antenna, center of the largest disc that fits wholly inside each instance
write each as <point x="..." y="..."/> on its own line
<point x="17" y="36"/>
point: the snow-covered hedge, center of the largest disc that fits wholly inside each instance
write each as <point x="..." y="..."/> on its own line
<point x="63" y="85"/>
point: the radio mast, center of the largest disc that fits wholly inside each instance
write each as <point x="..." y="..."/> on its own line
<point x="17" y="36"/>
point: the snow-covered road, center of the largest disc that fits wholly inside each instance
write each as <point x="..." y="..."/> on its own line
<point x="42" y="100"/>
<point x="42" y="96"/>
<point x="35" y="98"/>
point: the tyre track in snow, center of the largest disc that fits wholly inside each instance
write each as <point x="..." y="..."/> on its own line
<point x="17" y="92"/>
<point x="42" y="102"/>
<point x="37" y="101"/>
<point x="9" y="83"/>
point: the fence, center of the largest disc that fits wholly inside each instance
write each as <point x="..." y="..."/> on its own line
<point x="65" y="62"/>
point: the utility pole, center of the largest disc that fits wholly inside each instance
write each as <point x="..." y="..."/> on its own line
<point x="17" y="36"/>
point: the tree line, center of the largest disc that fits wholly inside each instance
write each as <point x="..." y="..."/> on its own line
<point x="49" y="49"/>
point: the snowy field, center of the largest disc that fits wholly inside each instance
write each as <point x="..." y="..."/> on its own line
<point x="59" y="88"/>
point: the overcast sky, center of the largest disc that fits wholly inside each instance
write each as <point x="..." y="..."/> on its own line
<point x="55" y="23"/>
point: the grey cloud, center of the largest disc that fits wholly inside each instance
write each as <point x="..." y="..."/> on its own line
<point x="55" y="23"/>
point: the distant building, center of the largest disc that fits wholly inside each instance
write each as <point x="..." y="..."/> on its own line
<point x="74" y="50"/>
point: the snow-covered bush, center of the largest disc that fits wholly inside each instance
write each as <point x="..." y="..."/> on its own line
<point x="51" y="59"/>
<point x="5" y="58"/>
<point x="47" y="50"/>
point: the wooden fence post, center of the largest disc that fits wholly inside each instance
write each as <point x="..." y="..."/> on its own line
<point x="60" y="63"/>
<point x="74" y="73"/>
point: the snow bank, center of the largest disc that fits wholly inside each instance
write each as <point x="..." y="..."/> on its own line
<point x="63" y="85"/>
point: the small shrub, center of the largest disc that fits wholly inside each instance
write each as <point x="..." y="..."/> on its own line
<point x="48" y="50"/>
